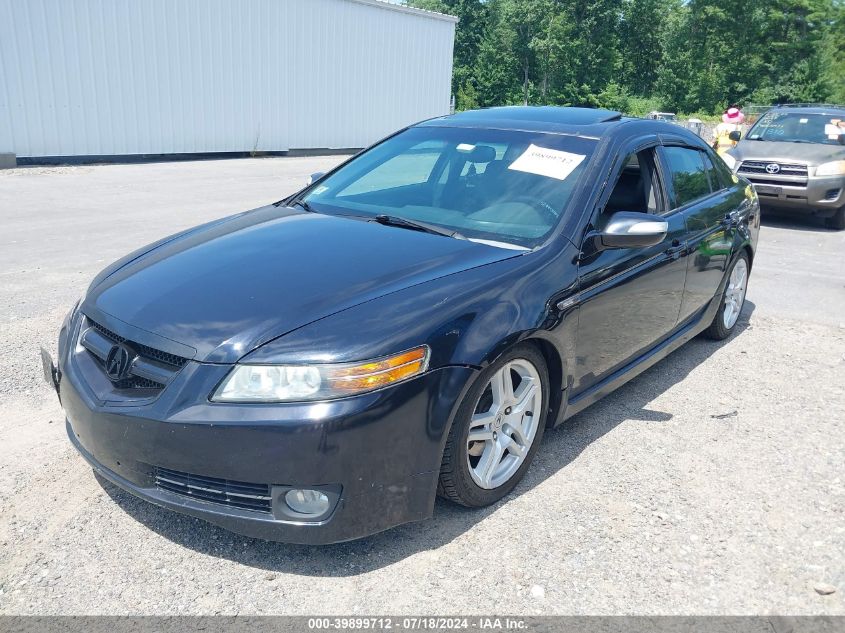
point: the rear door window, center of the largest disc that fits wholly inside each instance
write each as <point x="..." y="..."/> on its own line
<point x="725" y="177"/>
<point x="712" y="174"/>
<point x="688" y="174"/>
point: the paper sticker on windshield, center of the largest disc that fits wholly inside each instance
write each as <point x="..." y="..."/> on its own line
<point x="551" y="163"/>
<point x="832" y="130"/>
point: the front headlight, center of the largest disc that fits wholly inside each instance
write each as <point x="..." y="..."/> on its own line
<point x="835" y="168"/>
<point x="730" y="161"/>
<point x="305" y="383"/>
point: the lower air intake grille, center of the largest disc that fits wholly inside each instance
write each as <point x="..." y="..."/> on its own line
<point x="235" y="494"/>
<point x="134" y="382"/>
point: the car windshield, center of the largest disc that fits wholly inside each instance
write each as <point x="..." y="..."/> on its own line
<point x="798" y="127"/>
<point x="508" y="188"/>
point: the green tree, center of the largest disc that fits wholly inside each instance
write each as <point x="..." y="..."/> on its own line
<point x="697" y="60"/>
<point x="496" y="72"/>
<point x="835" y="48"/>
<point x="529" y="22"/>
<point x="595" y="55"/>
<point x="553" y="46"/>
<point x="717" y="54"/>
<point x="642" y="31"/>
<point x="682" y="55"/>
<point x="474" y="18"/>
<point x="795" y="54"/>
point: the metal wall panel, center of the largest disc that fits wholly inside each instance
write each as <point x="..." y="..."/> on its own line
<point x="106" y="77"/>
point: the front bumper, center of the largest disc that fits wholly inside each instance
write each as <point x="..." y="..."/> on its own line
<point x="818" y="195"/>
<point x="381" y="450"/>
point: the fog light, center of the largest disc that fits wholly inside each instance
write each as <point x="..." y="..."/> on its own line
<point x="307" y="502"/>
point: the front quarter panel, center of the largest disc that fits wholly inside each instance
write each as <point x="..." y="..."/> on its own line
<point x="467" y="319"/>
<point x="463" y="317"/>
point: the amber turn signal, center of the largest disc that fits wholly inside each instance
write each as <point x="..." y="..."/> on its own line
<point x="378" y="373"/>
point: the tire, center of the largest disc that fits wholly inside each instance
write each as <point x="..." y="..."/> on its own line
<point x="732" y="301"/>
<point x="837" y="220"/>
<point x="469" y="474"/>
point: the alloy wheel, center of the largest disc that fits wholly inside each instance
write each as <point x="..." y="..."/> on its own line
<point x="735" y="293"/>
<point x="504" y="423"/>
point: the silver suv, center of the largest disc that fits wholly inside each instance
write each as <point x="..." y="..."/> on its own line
<point x="795" y="157"/>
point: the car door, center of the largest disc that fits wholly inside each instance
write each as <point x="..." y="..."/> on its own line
<point x="629" y="298"/>
<point x="699" y="194"/>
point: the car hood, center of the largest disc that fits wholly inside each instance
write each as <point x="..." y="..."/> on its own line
<point x="226" y="288"/>
<point x="771" y="151"/>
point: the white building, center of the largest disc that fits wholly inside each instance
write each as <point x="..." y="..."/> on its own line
<point x="123" y="77"/>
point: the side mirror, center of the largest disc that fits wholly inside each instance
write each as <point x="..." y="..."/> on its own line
<point x="628" y="229"/>
<point x="735" y="135"/>
<point x="315" y="177"/>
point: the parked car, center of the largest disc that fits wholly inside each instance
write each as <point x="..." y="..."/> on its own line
<point x="795" y="158"/>
<point x="407" y="325"/>
<point x="661" y="116"/>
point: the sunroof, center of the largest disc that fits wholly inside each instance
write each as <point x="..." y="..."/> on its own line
<point x="545" y="114"/>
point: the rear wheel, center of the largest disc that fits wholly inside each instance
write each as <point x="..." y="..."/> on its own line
<point x="837" y="220"/>
<point x="733" y="298"/>
<point x="497" y="430"/>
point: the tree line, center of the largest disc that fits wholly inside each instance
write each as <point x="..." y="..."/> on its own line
<point x="690" y="56"/>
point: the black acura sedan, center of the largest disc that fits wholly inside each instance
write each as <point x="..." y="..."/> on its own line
<point x="407" y="325"/>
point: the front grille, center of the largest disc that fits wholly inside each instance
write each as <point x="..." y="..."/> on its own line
<point x="143" y="350"/>
<point x="152" y="368"/>
<point x="786" y="169"/>
<point x="130" y="382"/>
<point x="234" y="494"/>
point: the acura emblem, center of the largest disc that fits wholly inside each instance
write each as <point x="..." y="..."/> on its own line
<point x="772" y="168"/>
<point x="118" y="362"/>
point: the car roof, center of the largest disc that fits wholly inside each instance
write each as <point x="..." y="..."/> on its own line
<point x="591" y="122"/>
<point x="832" y="109"/>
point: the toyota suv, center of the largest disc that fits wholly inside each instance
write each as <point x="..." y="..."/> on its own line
<point x="795" y="158"/>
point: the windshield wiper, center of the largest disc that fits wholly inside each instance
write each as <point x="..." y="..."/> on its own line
<point x="303" y="205"/>
<point x="392" y="220"/>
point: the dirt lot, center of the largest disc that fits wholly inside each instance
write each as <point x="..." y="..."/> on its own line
<point x="713" y="483"/>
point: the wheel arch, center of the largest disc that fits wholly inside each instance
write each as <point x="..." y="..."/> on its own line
<point x="527" y="344"/>
<point x="750" y="253"/>
<point x="554" y="367"/>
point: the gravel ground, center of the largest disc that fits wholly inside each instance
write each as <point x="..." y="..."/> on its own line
<point x="711" y="484"/>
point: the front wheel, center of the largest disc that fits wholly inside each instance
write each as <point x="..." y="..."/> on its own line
<point x="733" y="298"/>
<point x="497" y="430"/>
